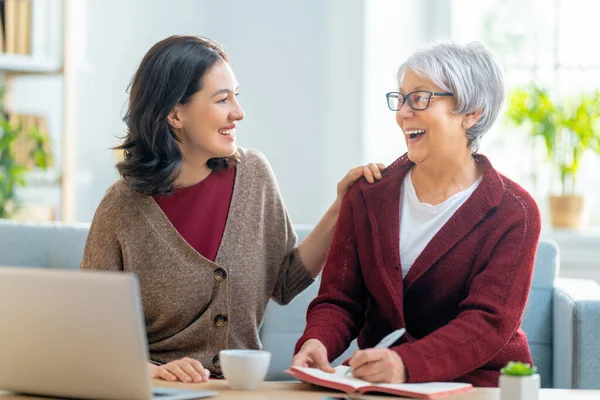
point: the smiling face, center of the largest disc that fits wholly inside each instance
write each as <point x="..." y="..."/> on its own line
<point x="206" y="124"/>
<point x="434" y="134"/>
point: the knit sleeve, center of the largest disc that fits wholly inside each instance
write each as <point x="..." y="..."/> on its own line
<point x="102" y="249"/>
<point x="287" y="274"/>
<point x="293" y="276"/>
<point x="336" y="315"/>
<point x="488" y="316"/>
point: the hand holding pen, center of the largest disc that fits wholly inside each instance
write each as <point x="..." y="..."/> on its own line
<point x="379" y="364"/>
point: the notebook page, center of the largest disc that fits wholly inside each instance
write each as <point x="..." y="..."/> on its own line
<point x="338" y="376"/>
<point x="423" y="388"/>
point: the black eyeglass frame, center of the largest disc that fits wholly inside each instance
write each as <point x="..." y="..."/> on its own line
<point x="404" y="97"/>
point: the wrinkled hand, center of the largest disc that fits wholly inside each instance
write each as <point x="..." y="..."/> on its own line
<point x="186" y="370"/>
<point x="312" y="354"/>
<point x="371" y="172"/>
<point x="378" y="366"/>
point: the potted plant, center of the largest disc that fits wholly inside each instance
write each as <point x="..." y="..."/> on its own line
<point x="567" y="132"/>
<point x="519" y="381"/>
<point x="12" y="172"/>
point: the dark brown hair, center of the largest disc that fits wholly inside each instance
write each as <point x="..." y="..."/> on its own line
<point x="169" y="74"/>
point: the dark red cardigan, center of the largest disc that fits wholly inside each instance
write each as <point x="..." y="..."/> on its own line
<point x="461" y="302"/>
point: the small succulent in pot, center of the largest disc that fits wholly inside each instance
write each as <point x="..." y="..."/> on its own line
<point x="515" y="368"/>
<point x="519" y="381"/>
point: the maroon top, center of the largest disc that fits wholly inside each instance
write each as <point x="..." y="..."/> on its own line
<point x="199" y="212"/>
<point x="461" y="302"/>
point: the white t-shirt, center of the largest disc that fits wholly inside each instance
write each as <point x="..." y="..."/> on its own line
<point x="419" y="222"/>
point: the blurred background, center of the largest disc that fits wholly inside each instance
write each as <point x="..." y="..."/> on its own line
<point x="313" y="76"/>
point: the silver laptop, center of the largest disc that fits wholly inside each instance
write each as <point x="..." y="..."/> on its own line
<point x="75" y="334"/>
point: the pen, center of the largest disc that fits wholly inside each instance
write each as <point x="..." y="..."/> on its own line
<point x="386" y="342"/>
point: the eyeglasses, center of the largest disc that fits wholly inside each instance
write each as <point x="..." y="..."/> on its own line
<point x="418" y="100"/>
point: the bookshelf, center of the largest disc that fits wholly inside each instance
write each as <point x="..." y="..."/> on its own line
<point x="30" y="36"/>
<point x="31" y="71"/>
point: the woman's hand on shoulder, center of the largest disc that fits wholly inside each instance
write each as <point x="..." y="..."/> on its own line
<point x="185" y="370"/>
<point x="371" y="172"/>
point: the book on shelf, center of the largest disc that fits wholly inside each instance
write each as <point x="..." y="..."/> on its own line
<point x="16" y="22"/>
<point x="24" y="27"/>
<point x="349" y="384"/>
<point x="2" y="41"/>
<point x="10" y="26"/>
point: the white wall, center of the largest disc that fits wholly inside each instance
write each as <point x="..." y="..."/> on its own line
<point x="394" y="29"/>
<point x="111" y="37"/>
<point x="299" y="65"/>
<point x="345" y="70"/>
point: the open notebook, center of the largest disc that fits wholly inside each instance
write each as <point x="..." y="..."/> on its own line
<point x="348" y="384"/>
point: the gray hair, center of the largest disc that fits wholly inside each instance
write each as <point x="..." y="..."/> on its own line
<point x="469" y="72"/>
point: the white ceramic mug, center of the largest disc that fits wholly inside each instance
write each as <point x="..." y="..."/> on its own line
<point x="244" y="369"/>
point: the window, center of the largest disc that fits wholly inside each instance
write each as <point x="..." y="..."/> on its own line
<point x="549" y="42"/>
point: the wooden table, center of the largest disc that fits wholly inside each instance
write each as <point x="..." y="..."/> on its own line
<point x="303" y="391"/>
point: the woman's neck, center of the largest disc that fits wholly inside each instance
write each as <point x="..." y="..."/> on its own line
<point x="435" y="182"/>
<point x="192" y="172"/>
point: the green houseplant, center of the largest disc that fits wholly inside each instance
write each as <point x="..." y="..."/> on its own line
<point x="12" y="172"/>
<point x="519" y="381"/>
<point x="567" y="130"/>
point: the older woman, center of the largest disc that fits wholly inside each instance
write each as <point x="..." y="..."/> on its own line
<point x="443" y="245"/>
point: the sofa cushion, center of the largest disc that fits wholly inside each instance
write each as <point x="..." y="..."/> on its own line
<point x="537" y="319"/>
<point x="42" y="245"/>
<point x="23" y="244"/>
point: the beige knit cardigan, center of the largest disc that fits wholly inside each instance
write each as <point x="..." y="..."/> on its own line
<point x="192" y="306"/>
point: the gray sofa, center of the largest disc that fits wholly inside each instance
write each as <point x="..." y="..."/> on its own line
<point x="561" y="320"/>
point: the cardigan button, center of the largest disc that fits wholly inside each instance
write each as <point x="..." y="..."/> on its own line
<point x="216" y="361"/>
<point x="220" y="274"/>
<point x="221" y="320"/>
